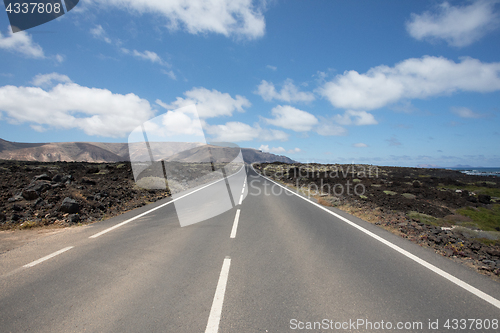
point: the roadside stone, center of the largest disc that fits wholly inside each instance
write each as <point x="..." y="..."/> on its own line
<point x="74" y="218"/>
<point x="17" y="197"/>
<point x="29" y="194"/>
<point x="69" y="206"/>
<point x="88" y="181"/>
<point x="484" y="199"/>
<point x="92" y="170"/>
<point x="492" y="252"/>
<point x="42" y="177"/>
<point x="57" y="178"/>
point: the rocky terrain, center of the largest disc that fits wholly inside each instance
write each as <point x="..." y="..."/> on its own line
<point x="457" y="215"/>
<point x="67" y="193"/>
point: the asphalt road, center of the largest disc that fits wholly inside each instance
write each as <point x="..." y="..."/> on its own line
<point x="274" y="263"/>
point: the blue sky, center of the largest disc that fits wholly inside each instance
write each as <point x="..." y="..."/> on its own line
<point x="402" y="83"/>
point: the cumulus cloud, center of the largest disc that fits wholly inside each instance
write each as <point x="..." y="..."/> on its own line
<point x="210" y="103"/>
<point x="273" y="68"/>
<point x="457" y="25"/>
<point x="99" y="33"/>
<point x="71" y="106"/>
<point x="465" y="112"/>
<point x="238" y="18"/>
<point x="21" y="42"/>
<point x="278" y="150"/>
<point x="359" y="118"/>
<point x="329" y="128"/>
<point x="237" y="131"/>
<point x="288" y="93"/>
<point x="274" y="150"/>
<point x="412" y="78"/>
<point x="291" y="118"/>
<point x="44" y="80"/>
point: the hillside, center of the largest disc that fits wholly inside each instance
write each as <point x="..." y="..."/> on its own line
<point x="105" y="152"/>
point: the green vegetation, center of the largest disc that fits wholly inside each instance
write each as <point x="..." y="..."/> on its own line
<point x="485" y="219"/>
<point x="356" y="180"/>
<point x="427" y="219"/>
<point x="493" y="192"/>
<point x="364" y="197"/>
<point x="390" y="192"/>
<point x="28" y="225"/>
<point x="409" y="196"/>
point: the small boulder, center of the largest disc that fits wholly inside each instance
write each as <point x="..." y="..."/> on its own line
<point x="74" y="218"/>
<point x="29" y="194"/>
<point x="39" y="203"/>
<point x="69" y="206"/>
<point x="88" y="181"/>
<point x="57" y="178"/>
<point x="92" y="170"/>
<point x="484" y="199"/>
<point x="42" y="177"/>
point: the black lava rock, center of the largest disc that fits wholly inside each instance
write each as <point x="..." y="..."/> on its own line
<point x="69" y="206"/>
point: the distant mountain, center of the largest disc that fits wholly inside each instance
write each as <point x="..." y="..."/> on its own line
<point x="101" y="152"/>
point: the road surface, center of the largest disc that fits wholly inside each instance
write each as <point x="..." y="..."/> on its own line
<point x="274" y="263"/>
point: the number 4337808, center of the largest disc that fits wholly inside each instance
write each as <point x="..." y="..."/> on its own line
<point x="33" y="7"/>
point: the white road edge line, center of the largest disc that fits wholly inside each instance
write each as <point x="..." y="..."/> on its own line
<point x="153" y="209"/>
<point x="413" y="257"/>
<point x="241" y="199"/>
<point x="36" y="262"/>
<point x="235" y="224"/>
<point x="216" y="311"/>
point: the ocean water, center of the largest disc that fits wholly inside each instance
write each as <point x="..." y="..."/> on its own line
<point x="479" y="171"/>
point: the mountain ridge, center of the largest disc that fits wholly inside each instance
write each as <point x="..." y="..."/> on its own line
<point x="107" y="152"/>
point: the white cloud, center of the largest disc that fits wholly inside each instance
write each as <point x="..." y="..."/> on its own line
<point x="273" y="68"/>
<point x="44" y="80"/>
<point x="465" y="112"/>
<point x="358" y="118"/>
<point x="274" y="150"/>
<point x="289" y="92"/>
<point x="238" y="18"/>
<point x="99" y="33"/>
<point x="236" y="131"/>
<point x="150" y="56"/>
<point x="328" y="128"/>
<point x="170" y="74"/>
<point x="412" y="78"/>
<point x="209" y="103"/>
<point x="71" y="106"/>
<point x="291" y="118"/>
<point x="360" y="145"/>
<point x="22" y="43"/>
<point x="59" y="58"/>
<point x="278" y="150"/>
<point x="457" y="25"/>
